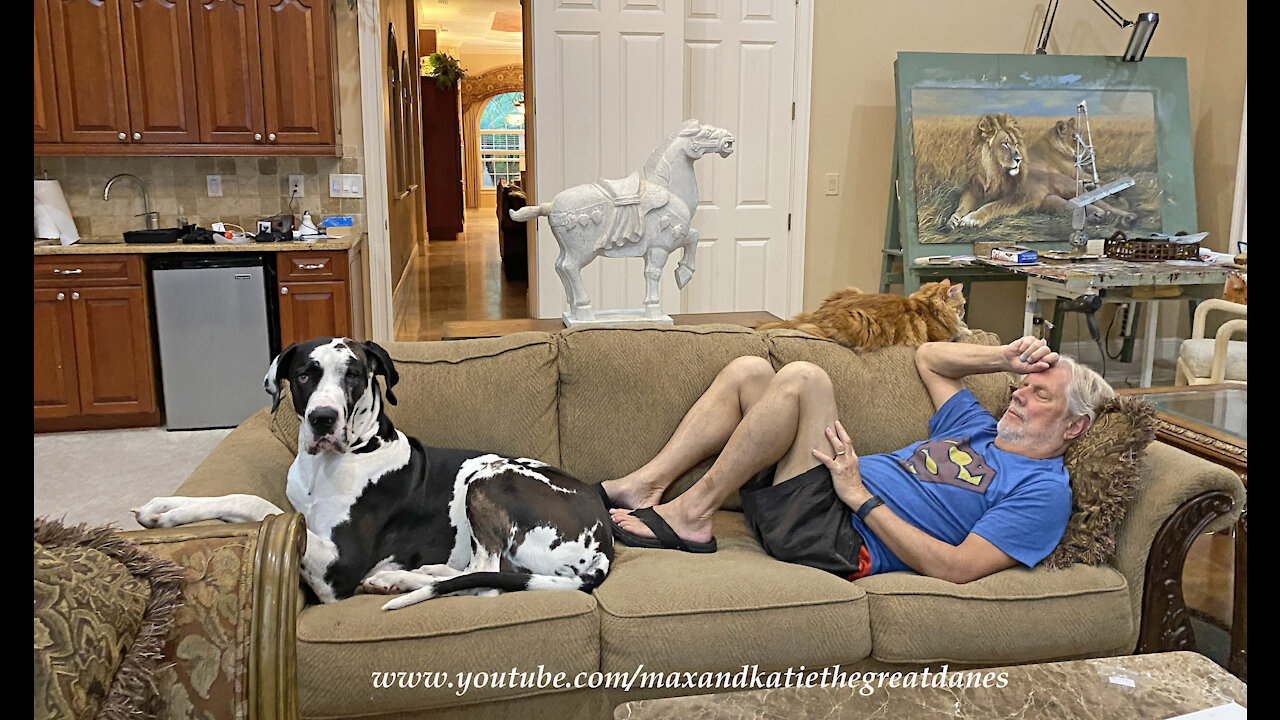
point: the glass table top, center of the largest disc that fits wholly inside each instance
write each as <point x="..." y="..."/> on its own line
<point x="1222" y="408"/>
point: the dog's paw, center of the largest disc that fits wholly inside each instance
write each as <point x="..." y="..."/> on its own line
<point x="163" y="512"/>
<point x="393" y="582"/>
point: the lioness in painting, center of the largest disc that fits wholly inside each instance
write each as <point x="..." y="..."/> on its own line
<point x="1001" y="182"/>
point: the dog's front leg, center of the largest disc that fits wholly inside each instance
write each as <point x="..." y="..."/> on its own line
<point x="172" y="511"/>
<point x="321" y="553"/>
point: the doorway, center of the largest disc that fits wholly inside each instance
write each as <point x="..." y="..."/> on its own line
<point x="469" y="267"/>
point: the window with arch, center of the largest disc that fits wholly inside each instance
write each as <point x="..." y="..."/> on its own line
<point x="501" y="139"/>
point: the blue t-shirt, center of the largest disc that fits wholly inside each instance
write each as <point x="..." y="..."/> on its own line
<point x="958" y="482"/>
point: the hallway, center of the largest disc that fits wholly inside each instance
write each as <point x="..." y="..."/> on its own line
<point x="460" y="280"/>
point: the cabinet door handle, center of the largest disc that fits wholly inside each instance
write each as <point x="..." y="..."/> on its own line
<point x="257" y="137"/>
<point x="59" y="271"/>
<point x="137" y="136"/>
<point x="122" y="136"/>
<point x="284" y="291"/>
<point x="62" y="296"/>
<point x="272" y="137"/>
<point x="75" y="296"/>
<point x="319" y="266"/>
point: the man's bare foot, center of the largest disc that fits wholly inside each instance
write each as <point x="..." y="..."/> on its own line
<point x="691" y="529"/>
<point x="631" y="492"/>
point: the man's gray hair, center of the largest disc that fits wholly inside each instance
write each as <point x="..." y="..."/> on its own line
<point x="1086" y="391"/>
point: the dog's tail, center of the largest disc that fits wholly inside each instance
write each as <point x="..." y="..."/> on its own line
<point x="503" y="581"/>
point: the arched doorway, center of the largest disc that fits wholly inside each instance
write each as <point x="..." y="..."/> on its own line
<point x="477" y="94"/>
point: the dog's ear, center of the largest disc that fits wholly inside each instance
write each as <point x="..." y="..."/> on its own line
<point x="276" y="372"/>
<point x="383" y="366"/>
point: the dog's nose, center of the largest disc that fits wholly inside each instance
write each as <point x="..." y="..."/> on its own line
<point x="323" y="419"/>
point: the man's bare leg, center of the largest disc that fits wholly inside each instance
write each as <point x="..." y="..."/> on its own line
<point x="784" y="426"/>
<point x="702" y="432"/>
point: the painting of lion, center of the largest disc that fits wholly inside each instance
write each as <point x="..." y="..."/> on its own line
<point x="999" y="165"/>
<point x="1002" y="182"/>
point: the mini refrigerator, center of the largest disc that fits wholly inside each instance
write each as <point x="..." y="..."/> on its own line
<point x="213" y="325"/>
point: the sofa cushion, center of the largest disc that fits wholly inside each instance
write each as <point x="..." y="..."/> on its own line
<point x="623" y="391"/>
<point x="1015" y="615"/>
<point x="673" y="611"/>
<point x="495" y="394"/>
<point x="881" y="400"/>
<point x="341" y="645"/>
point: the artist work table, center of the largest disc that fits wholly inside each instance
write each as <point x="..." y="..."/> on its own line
<point x="1119" y="281"/>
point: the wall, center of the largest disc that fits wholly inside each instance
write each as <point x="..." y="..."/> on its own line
<point x="404" y="214"/>
<point x="252" y="187"/>
<point x="853" y="116"/>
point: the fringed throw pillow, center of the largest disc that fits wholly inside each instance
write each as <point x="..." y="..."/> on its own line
<point x="1103" y="465"/>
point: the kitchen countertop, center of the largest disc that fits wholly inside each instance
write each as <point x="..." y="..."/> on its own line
<point x="343" y="244"/>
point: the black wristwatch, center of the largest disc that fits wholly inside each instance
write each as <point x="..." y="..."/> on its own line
<point x="871" y="504"/>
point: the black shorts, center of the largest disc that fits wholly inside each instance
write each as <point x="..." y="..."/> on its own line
<point x="802" y="521"/>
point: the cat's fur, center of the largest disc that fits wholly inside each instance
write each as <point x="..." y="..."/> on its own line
<point x="864" y="321"/>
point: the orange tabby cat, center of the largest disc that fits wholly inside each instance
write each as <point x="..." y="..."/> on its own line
<point x="859" y="320"/>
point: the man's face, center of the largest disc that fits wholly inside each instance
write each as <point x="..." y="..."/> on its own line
<point x="1036" y="423"/>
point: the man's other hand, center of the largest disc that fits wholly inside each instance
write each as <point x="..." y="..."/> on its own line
<point x="1028" y="355"/>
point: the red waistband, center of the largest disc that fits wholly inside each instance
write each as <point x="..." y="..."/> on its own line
<point x="864" y="564"/>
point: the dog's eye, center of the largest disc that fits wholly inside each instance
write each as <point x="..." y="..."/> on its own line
<point x="303" y="377"/>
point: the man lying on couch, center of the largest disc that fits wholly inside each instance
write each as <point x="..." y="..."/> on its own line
<point x="979" y="496"/>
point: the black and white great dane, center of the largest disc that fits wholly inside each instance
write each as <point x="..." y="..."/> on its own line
<point x="387" y="515"/>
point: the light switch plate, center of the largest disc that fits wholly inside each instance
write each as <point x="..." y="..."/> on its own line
<point x="833" y="183"/>
<point x="346" y="186"/>
<point x="213" y="183"/>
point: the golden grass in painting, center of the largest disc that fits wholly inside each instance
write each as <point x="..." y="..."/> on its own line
<point x="1122" y="146"/>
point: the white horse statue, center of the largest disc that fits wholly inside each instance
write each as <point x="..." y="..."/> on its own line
<point x="647" y="214"/>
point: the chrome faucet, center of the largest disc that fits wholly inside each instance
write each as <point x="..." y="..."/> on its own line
<point x="153" y="218"/>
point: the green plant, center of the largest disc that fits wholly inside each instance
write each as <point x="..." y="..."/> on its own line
<point x="445" y="69"/>
<point x="351" y="4"/>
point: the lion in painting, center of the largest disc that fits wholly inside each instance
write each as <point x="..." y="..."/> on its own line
<point x="1002" y="182"/>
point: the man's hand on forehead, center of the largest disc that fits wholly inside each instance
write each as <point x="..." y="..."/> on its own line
<point x="1029" y="354"/>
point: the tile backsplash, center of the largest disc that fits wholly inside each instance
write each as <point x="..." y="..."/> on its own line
<point x="253" y="188"/>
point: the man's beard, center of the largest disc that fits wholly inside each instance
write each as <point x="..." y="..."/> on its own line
<point x="1007" y="431"/>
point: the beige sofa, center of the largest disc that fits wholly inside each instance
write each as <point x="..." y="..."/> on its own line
<point x="599" y="402"/>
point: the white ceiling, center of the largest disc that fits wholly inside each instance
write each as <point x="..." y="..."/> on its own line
<point x="465" y="25"/>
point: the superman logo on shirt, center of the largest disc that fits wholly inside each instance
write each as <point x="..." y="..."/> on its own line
<point x="950" y="462"/>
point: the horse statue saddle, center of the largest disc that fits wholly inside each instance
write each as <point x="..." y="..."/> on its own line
<point x="632" y="199"/>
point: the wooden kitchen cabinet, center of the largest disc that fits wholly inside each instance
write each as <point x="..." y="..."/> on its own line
<point x="186" y="77"/>
<point x="94" y="362"/>
<point x="320" y="294"/>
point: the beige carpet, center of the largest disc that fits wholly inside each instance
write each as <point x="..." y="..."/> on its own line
<point x="96" y="476"/>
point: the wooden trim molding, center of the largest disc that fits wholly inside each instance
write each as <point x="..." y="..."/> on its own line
<point x="273" y="661"/>
<point x="1166" y="625"/>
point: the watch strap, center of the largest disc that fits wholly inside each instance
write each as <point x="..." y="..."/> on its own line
<point x="871" y="504"/>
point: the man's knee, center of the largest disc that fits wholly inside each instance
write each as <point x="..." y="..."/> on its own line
<point x="804" y="376"/>
<point x="749" y="370"/>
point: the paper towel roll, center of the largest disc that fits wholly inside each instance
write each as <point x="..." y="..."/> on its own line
<point x="52" y="214"/>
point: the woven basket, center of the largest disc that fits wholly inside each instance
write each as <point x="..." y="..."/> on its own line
<point x="1121" y="247"/>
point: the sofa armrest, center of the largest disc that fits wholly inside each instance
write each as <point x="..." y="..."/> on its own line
<point x="232" y="651"/>
<point x="250" y="460"/>
<point x="1180" y="497"/>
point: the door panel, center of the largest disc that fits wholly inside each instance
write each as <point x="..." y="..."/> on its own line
<point x="45" y="101"/>
<point x="224" y="36"/>
<point x="296" y="88"/>
<point x="607" y="91"/>
<point x="161" y="71"/>
<point x="313" y="309"/>
<point x="113" y="351"/>
<point x="741" y="57"/>
<point x="88" y="58"/>
<point x="56" y="385"/>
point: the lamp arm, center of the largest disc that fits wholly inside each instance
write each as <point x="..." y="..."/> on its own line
<point x="1046" y="27"/>
<point x="1111" y="13"/>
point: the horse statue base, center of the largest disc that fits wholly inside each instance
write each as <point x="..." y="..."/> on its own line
<point x="634" y="316"/>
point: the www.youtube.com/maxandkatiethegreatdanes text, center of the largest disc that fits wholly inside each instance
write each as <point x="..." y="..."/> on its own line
<point x="750" y="677"/>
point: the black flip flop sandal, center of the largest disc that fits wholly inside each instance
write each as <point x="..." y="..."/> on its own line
<point x="666" y="538"/>
<point x="608" y="504"/>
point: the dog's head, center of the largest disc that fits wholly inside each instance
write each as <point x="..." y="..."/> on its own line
<point x="333" y="388"/>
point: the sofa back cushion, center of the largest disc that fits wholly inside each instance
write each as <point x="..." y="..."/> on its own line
<point x="623" y="391"/>
<point x="495" y="394"/>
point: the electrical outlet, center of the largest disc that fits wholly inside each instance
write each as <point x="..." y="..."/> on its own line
<point x="213" y="183"/>
<point x="833" y="183"/>
<point x="295" y="186"/>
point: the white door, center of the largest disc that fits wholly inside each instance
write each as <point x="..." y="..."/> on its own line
<point x="613" y="77"/>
